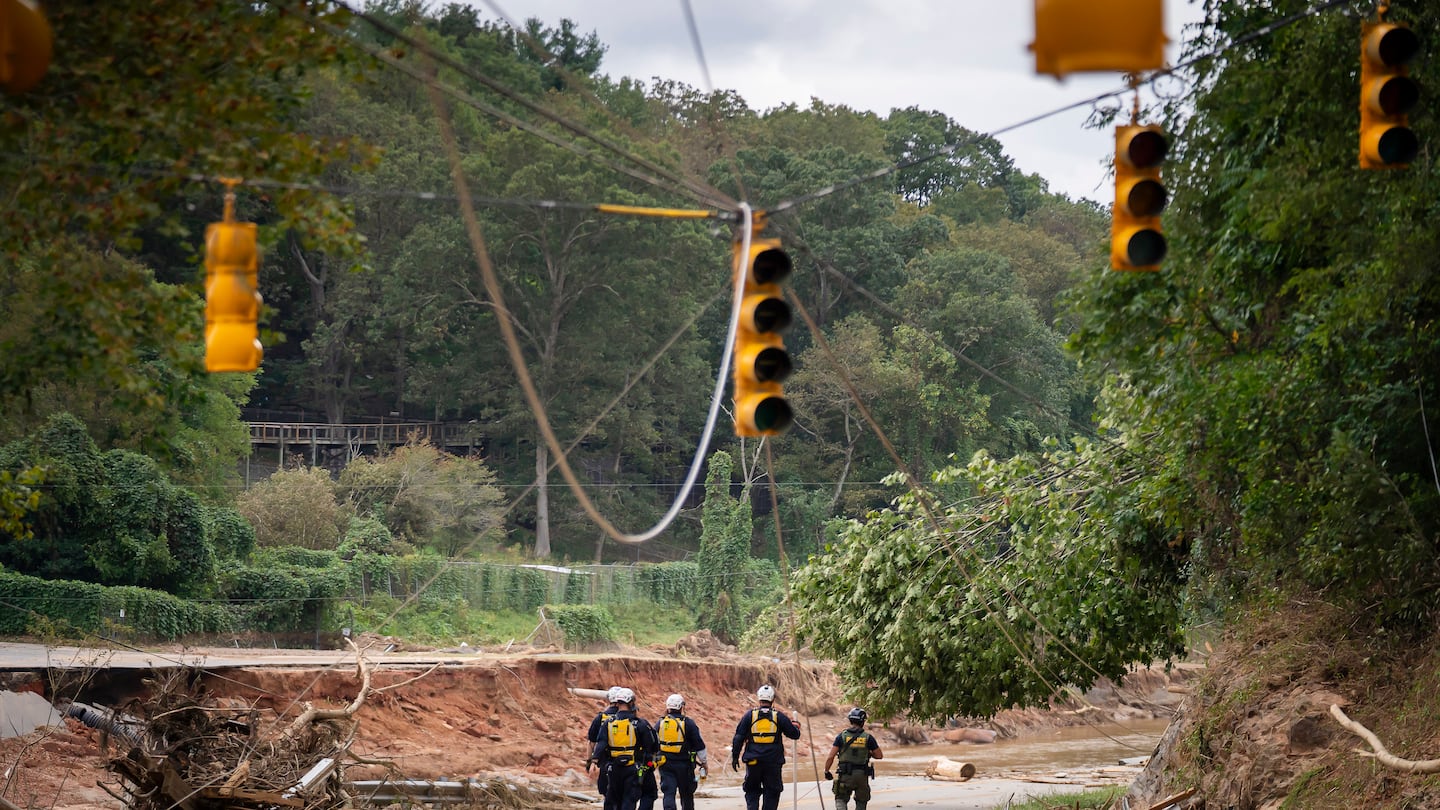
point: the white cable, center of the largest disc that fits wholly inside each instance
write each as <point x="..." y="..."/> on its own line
<point x="716" y="397"/>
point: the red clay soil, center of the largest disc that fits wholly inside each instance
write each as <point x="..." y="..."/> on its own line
<point x="510" y="715"/>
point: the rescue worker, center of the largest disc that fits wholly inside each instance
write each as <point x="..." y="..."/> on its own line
<point x="855" y="747"/>
<point x="626" y="751"/>
<point x="757" y="735"/>
<point x="681" y="750"/>
<point x="596" y="727"/>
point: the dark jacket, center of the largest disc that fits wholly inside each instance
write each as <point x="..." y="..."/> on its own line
<point x="757" y="751"/>
<point x="645" y="743"/>
<point x="694" y="743"/>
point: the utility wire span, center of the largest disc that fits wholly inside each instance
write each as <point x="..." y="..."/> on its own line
<point x="493" y="111"/>
<point x="706" y="194"/>
<point x="951" y="148"/>
<point x="617" y="209"/>
<point x="517" y="359"/>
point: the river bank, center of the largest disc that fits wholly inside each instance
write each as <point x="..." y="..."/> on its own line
<point x="513" y="714"/>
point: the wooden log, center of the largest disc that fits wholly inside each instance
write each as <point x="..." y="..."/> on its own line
<point x="1170" y="800"/>
<point x="945" y="769"/>
<point x="261" y="797"/>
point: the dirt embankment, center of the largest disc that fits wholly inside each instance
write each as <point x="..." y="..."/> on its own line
<point x="516" y="715"/>
<point x="1257" y="732"/>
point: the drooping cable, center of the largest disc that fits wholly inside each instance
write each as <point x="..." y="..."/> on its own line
<point x="699" y="191"/>
<point x="517" y="359"/>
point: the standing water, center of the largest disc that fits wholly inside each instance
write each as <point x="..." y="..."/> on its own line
<point x="1060" y="749"/>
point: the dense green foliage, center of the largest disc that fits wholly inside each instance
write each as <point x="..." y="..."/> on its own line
<point x="917" y="285"/>
<point x="75" y="609"/>
<point x="1289" y="352"/>
<point x="109" y="517"/>
<point x="1263" y="406"/>
<point x="582" y="625"/>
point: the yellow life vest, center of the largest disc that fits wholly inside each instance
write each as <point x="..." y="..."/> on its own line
<point x="672" y="734"/>
<point x="620" y="737"/>
<point x="762" y="726"/>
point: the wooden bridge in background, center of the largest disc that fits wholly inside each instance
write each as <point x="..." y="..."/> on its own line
<point x="320" y="442"/>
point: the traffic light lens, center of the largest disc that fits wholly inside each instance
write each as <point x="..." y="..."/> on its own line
<point x="1398" y="145"/>
<point x="1147" y="198"/>
<point x="1145" y="248"/>
<point x="1397" y="95"/>
<point x="773" y="415"/>
<point x="1146" y="149"/>
<point x="772" y="365"/>
<point x="770" y="315"/>
<point x="228" y="295"/>
<point x="770" y="266"/>
<point x="1396" y="47"/>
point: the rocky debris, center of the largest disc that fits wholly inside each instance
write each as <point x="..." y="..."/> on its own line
<point x="701" y="644"/>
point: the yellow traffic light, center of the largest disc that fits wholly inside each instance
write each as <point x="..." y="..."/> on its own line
<point x="232" y="303"/>
<point x="1073" y="36"/>
<point x="25" y="45"/>
<point x="1386" y="94"/>
<point x="1136" y="241"/>
<point x="761" y="362"/>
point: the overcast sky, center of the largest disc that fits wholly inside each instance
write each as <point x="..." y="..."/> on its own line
<point x="964" y="58"/>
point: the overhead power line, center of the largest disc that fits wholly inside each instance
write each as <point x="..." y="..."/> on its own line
<point x="950" y="148"/>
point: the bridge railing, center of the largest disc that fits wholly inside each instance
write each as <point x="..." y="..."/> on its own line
<point x="316" y="433"/>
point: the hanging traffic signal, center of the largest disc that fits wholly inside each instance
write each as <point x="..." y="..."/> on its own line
<point x="25" y="45"/>
<point x="232" y="303"/>
<point x="1136" y="242"/>
<point x="1387" y="93"/>
<point x="761" y="362"/>
<point x="1073" y="36"/>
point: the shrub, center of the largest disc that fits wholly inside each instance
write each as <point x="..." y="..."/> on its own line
<point x="583" y="625"/>
<point x="295" y="508"/>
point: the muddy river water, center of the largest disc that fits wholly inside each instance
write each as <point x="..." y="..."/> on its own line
<point x="1075" y="747"/>
<point x="1002" y="770"/>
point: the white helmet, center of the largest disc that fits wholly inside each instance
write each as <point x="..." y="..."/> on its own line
<point x="766" y="692"/>
<point x="626" y="696"/>
<point x="675" y="702"/>
<point x="615" y="694"/>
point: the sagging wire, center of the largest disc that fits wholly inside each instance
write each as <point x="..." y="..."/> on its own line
<point x="703" y="193"/>
<point x="950" y="149"/>
<point x="517" y="359"/>
<point x="723" y="215"/>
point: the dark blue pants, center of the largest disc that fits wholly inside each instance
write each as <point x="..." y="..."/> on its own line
<point x="762" y="781"/>
<point x="649" y="790"/>
<point x="679" y="777"/>
<point x="623" y="786"/>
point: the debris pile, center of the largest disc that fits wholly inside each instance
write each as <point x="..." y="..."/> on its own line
<point x="183" y="749"/>
<point x="193" y="754"/>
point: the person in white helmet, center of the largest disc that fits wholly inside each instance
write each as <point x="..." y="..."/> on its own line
<point x="681" y="750"/>
<point x="757" y="741"/>
<point x="598" y="725"/>
<point x="626" y="752"/>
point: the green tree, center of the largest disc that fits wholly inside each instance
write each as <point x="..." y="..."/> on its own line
<point x="113" y="518"/>
<point x="724" y="552"/>
<point x="426" y="497"/>
<point x="295" y="508"/>
<point x="1260" y="399"/>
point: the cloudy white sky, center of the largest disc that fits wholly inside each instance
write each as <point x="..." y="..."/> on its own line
<point x="964" y="58"/>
